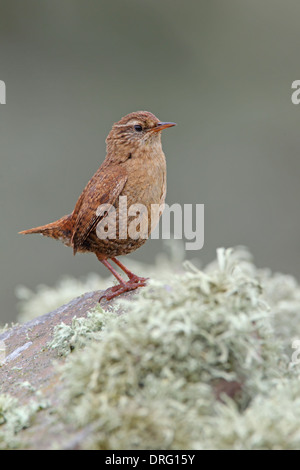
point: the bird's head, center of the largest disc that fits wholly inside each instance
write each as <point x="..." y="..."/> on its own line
<point x="136" y="132"/>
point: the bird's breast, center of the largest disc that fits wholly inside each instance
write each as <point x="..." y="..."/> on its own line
<point x="146" y="182"/>
<point x="140" y="203"/>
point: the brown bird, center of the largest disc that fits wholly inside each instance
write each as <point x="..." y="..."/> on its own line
<point x="134" y="167"/>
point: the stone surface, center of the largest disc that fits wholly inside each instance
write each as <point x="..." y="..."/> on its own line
<point x="27" y="359"/>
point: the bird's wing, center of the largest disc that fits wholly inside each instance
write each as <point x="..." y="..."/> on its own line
<point x="104" y="188"/>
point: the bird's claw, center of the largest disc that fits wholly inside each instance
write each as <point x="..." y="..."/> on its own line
<point x="134" y="283"/>
<point x="137" y="279"/>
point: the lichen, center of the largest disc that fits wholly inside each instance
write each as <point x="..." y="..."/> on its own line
<point x="82" y="330"/>
<point x="271" y="422"/>
<point x="151" y="381"/>
<point x="200" y="359"/>
<point x="15" y="417"/>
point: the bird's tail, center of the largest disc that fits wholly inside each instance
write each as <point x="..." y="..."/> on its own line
<point x="60" y="229"/>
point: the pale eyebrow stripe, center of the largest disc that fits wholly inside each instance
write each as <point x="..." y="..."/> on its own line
<point x="129" y="123"/>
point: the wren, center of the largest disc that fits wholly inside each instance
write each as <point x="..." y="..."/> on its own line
<point x="135" y="167"/>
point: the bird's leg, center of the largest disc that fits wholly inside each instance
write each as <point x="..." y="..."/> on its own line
<point x="132" y="277"/>
<point x="113" y="271"/>
<point x="133" y="283"/>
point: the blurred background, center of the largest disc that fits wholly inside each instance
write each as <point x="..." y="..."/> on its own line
<point x="221" y="70"/>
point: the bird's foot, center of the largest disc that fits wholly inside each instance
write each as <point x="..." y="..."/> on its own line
<point x="137" y="279"/>
<point x="134" y="283"/>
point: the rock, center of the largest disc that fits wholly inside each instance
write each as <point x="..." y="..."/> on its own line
<point x="27" y="359"/>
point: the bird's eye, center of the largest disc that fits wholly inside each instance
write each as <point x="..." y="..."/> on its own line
<point x="138" y="128"/>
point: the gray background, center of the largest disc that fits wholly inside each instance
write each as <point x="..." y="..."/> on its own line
<point x="221" y="70"/>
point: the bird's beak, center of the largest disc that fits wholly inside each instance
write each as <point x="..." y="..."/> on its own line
<point x="162" y="125"/>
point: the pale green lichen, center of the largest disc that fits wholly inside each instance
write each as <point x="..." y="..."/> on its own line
<point x="150" y="382"/>
<point x="150" y="378"/>
<point x="15" y="417"/>
<point x="81" y="331"/>
<point x="271" y="422"/>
